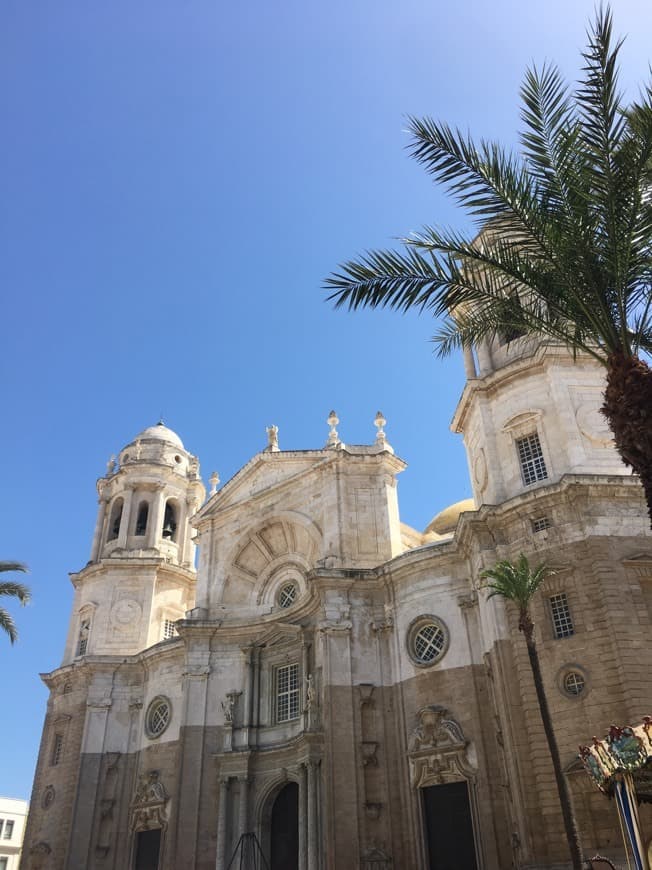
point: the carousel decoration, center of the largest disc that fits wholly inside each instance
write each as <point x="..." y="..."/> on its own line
<point x="621" y="767"/>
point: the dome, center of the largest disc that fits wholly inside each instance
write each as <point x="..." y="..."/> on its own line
<point x="160" y="432"/>
<point x="445" y="521"/>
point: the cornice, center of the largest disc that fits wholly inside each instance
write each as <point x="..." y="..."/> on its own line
<point x="157" y="563"/>
<point x="544" y="355"/>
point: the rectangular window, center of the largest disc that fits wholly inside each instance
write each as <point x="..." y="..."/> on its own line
<point x="9" y="829"/>
<point x="287" y="693"/>
<point x="562" y="622"/>
<point x="57" y="749"/>
<point x="541" y="524"/>
<point x="2" y="822"/>
<point x="168" y="629"/>
<point x="3" y="863"/>
<point x="530" y="456"/>
<point x="84" y="631"/>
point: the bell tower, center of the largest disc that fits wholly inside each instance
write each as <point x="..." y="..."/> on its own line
<point x="530" y="414"/>
<point x="141" y="576"/>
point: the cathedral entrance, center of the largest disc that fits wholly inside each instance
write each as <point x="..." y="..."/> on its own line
<point x="148" y="848"/>
<point x="449" y="827"/>
<point x="284" y="839"/>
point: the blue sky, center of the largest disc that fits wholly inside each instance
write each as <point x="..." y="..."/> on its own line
<point x="177" y="179"/>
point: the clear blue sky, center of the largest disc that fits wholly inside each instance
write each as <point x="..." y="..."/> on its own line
<point x="177" y="179"/>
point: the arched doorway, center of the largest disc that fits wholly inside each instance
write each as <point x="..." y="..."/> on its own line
<point x="284" y="834"/>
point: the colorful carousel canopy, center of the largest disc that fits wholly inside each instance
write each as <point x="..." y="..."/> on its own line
<point x="624" y="750"/>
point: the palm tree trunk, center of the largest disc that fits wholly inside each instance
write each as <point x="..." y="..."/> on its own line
<point x="570" y="824"/>
<point x="628" y="408"/>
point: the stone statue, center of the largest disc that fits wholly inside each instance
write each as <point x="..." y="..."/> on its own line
<point x="227" y="708"/>
<point x="272" y="439"/>
<point x="311" y="695"/>
<point x="150" y="789"/>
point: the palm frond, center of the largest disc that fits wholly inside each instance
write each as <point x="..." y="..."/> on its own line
<point x="516" y="582"/>
<point x="387" y="279"/>
<point x="13" y="566"/>
<point x="8" y="625"/>
<point x="15" y="590"/>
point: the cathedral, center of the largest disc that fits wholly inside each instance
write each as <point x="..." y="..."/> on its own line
<point x="281" y="674"/>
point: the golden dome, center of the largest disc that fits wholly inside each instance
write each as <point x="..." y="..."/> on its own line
<point x="445" y="521"/>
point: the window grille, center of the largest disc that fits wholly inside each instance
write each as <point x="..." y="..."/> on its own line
<point x="57" y="750"/>
<point x="158" y="717"/>
<point x="84" y="632"/>
<point x="541" y="524"/>
<point x="288" y="595"/>
<point x="428" y="642"/>
<point x="287" y="693"/>
<point x="562" y="622"/>
<point x="574" y="683"/>
<point x="530" y="455"/>
<point x="169" y="629"/>
<point x="9" y="829"/>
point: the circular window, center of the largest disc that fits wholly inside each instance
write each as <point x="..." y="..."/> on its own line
<point x="573" y="681"/>
<point x="177" y="459"/>
<point x="158" y="716"/>
<point x="287" y="595"/>
<point x="427" y="640"/>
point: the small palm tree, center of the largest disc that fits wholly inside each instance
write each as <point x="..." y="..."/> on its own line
<point x="518" y="583"/>
<point x="17" y="590"/>
<point x="565" y="251"/>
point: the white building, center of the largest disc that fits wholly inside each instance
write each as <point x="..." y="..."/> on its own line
<point x="13" y="816"/>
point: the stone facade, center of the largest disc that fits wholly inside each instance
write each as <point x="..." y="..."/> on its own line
<point x="333" y="681"/>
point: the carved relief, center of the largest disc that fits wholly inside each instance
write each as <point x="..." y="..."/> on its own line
<point x="438" y="749"/>
<point x="593" y="424"/>
<point x="107" y="802"/>
<point x="369" y="750"/>
<point x="480" y="470"/>
<point x="376" y="857"/>
<point x="48" y="797"/>
<point x="148" y="809"/>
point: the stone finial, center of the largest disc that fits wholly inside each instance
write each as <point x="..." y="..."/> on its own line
<point x="214" y="479"/>
<point x="333" y="437"/>
<point x="272" y="439"/>
<point x="381" y="439"/>
<point x="110" y="466"/>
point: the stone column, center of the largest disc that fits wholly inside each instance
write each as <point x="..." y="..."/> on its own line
<point x="220" y="862"/>
<point x="469" y="362"/>
<point x="248" y="697"/>
<point x="484" y="358"/>
<point x="195" y="688"/>
<point x="155" y="520"/>
<point x="128" y="497"/>
<point x="243" y="820"/>
<point x="313" y="856"/>
<point x="99" y="530"/>
<point x="182" y="529"/>
<point x="303" y="819"/>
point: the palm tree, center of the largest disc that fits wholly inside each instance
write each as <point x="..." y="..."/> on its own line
<point x="17" y="590"/>
<point x="518" y="583"/>
<point x="565" y="247"/>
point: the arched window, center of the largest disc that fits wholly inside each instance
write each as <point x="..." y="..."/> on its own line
<point x="84" y="634"/>
<point x="170" y="522"/>
<point x="141" y="519"/>
<point x="116" y="518"/>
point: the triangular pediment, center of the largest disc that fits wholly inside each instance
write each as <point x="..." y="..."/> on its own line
<point x="279" y="634"/>
<point x="262" y="474"/>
